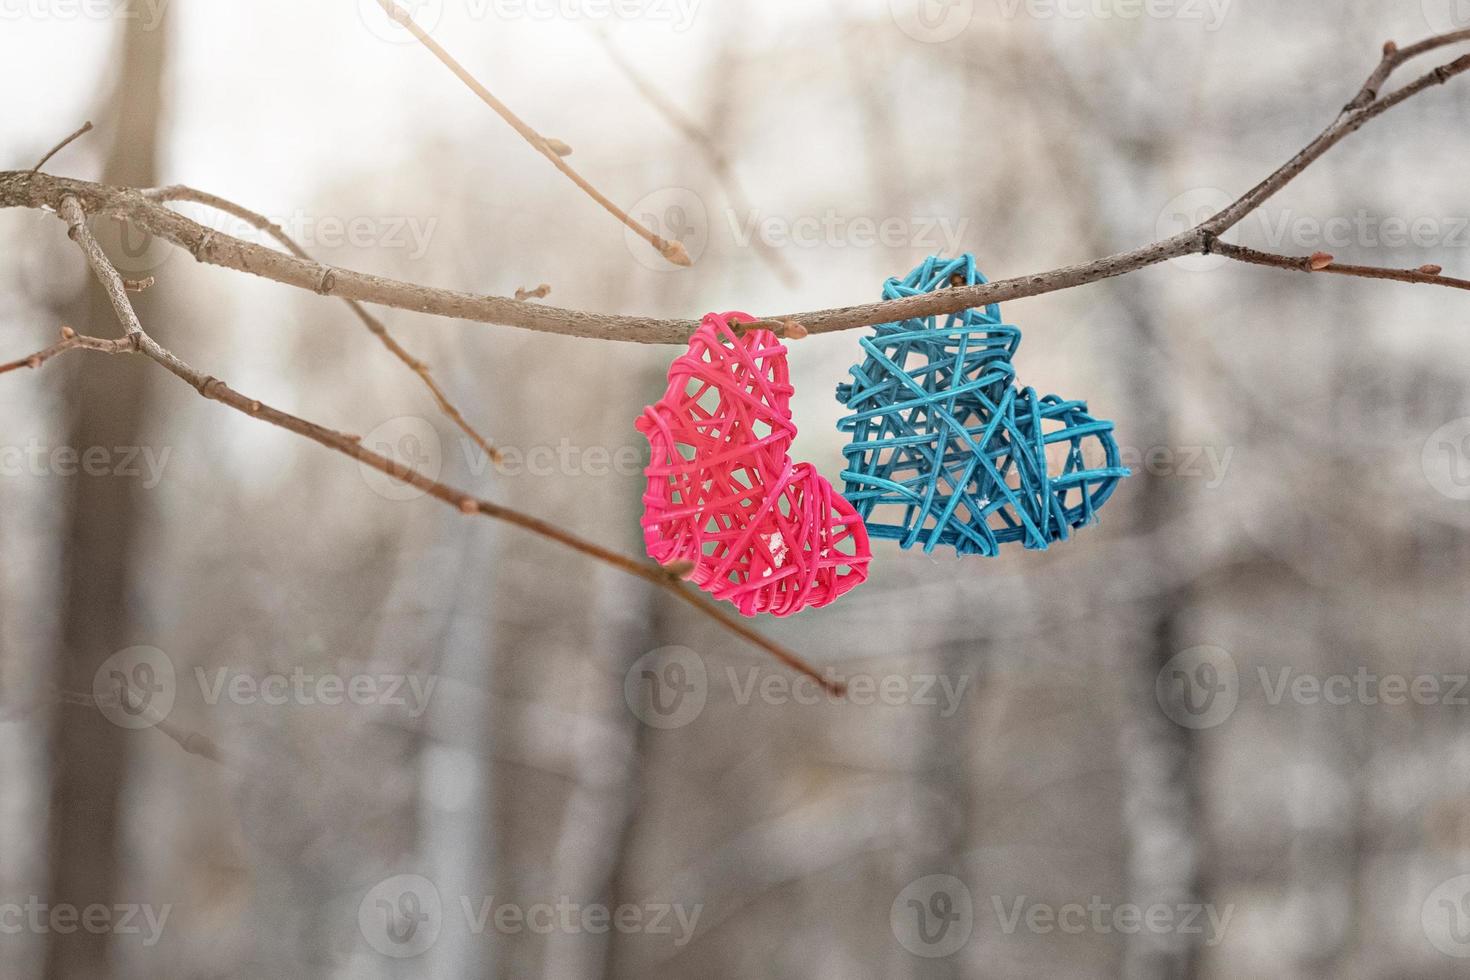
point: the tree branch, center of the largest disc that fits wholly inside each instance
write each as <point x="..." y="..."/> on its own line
<point x="550" y="149"/>
<point x="1348" y="122"/>
<point x="1322" y="262"/>
<point x="70" y="340"/>
<point x="180" y="192"/>
<point x="81" y="131"/>
<point x="718" y="161"/>
<point x="666" y="578"/>
<point x="38" y="190"/>
<point x="1393" y="57"/>
<point x="74" y="199"/>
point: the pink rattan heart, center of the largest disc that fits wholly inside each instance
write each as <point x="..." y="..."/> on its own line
<point x="768" y="534"/>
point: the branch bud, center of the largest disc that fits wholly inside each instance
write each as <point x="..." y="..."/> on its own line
<point x="675" y="252"/>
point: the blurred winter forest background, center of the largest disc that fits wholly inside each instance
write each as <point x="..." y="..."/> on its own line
<point x="1221" y="734"/>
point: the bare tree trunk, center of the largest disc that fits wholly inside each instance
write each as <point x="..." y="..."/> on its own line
<point x="594" y="827"/>
<point x="89" y="754"/>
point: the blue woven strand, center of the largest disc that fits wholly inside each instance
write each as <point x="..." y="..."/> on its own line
<point x="946" y="449"/>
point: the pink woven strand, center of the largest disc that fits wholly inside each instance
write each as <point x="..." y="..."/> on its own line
<point x="768" y="534"/>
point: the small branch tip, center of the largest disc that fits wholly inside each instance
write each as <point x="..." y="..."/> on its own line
<point x="675" y="253"/>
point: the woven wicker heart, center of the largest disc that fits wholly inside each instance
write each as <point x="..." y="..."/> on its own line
<point x="946" y="449"/>
<point x="768" y="534"/>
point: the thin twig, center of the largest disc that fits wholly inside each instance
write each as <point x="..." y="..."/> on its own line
<point x="70" y="340"/>
<point x="180" y="192"/>
<point x="195" y="743"/>
<point x="38" y="190"/>
<point x="19" y="189"/>
<point x="74" y="199"/>
<point x="216" y="390"/>
<point x="1347" y="123"/>
<point x="671" y="250"/>
<point x="1316" y="263"/>
<point x="1393" y="57"/>
<point x="85" y="128"/>
<point x="719" y="163"/>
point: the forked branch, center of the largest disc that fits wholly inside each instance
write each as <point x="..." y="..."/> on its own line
<point x="74" y="200"/>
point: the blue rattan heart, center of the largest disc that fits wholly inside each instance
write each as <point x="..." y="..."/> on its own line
<point x="946" y="449"/>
